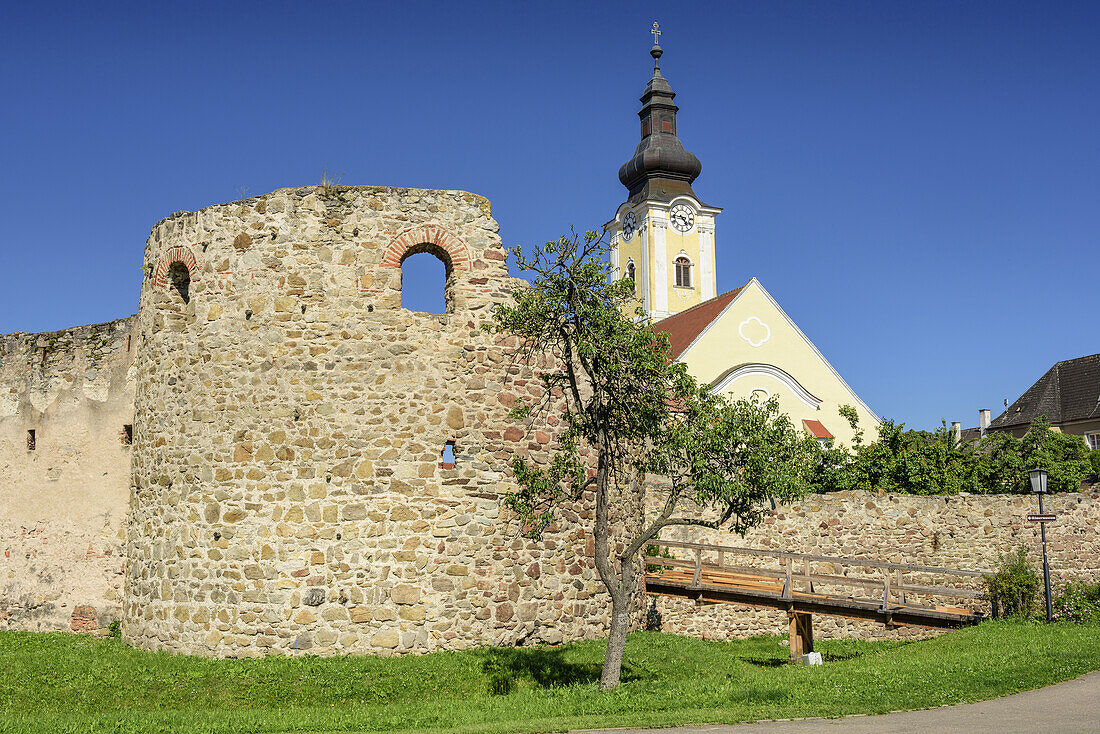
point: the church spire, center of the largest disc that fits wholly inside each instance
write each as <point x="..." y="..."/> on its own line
<point x="660" y="169"/>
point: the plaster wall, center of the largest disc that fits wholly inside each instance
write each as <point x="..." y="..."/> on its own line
<point x="754" y="330"/>
<point x="62" y="504"/>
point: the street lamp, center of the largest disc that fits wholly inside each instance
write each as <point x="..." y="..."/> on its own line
<point x="1038" y="479"/>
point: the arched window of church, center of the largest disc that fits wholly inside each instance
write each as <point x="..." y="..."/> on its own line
<point x="425" y="280"/>
<point x="630" y="270"/>
<point x="683" y="272"/>
<point x="179" y="279"/>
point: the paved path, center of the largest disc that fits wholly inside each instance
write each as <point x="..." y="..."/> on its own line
<point x="1071" y="707"/>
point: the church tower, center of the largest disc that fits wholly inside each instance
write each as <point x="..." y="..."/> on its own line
<point x="662" y="236"/>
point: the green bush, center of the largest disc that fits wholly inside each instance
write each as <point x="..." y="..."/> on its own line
<point x="1014" y="588"/>
<point x="114" y="630"/>
<point x="932" y="463"/>
<point x="1077" y="601"/>
<point x="1065" y="456"/>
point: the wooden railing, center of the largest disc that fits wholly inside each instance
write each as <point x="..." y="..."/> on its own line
<point x="886" y="579"/>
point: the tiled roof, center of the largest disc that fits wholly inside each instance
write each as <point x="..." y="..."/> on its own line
<point x="1069" y="391"/>
<point x="970" y="435"/>
<point x="816" y="428"/>
<point x="684" y="327"/>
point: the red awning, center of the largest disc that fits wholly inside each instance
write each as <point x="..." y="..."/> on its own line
<point x="816" y="429"/>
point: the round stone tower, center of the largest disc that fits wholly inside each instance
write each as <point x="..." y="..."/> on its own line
<point x="317" y="469"/>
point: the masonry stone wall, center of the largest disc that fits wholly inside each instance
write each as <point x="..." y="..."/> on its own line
<point x="63" y="502"/>
<point x="287" y="489"/>
<point x="289" y="492"/>
<point x="963" y="532"/>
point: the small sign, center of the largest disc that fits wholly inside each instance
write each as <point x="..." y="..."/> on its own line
<point x="1046" y="517"/>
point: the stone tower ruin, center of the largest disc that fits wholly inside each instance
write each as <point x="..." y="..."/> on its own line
<point x="316" y="469"/>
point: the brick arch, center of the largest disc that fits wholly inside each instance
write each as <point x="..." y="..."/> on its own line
<point x="429" y="238"/>
<point x="176" y="255"/>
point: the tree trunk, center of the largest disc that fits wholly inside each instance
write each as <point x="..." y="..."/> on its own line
<point x="616" y="642"/>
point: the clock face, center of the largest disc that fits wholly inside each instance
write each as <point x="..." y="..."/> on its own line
<point x="630" y="223"/>
<point x="682" y="217"/>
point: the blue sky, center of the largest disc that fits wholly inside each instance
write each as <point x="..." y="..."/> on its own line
<point x="918" y="184"/>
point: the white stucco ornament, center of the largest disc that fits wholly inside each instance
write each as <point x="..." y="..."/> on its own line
<point x="754" y="331"/>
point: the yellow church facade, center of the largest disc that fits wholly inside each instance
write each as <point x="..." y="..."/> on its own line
<point x="744" y="345"/>
<point x="740" y="342"/>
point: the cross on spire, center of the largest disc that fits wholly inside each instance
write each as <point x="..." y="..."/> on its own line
<point x="656" y="33"/>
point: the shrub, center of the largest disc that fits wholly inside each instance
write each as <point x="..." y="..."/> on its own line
<point x="1014" y="588"/>
<point x="931" y="462"/>
<point x="1065" y="456"/>
<point x="1078" y="601"/>
<point x="114" y="630"/>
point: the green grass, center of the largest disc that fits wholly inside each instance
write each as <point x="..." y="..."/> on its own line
<point x="65" y="682"/>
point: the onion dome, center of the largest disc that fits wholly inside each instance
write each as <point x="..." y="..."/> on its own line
<point x="660" y="168"/>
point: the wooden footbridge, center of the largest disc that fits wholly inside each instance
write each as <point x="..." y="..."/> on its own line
<point x="893" y="594"/>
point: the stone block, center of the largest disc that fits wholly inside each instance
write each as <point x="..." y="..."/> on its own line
<point x="385" y="639"/>
<point x="314" y="596"/>
<point x="405" y="594"/>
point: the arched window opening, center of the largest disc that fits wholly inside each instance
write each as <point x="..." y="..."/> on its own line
<point x="630" y="273"/>
<point x="426" y="280"/>
<point x="683" y="272"/>
<point x="179" y="280"/>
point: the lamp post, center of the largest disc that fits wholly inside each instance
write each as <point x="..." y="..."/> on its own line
<point x="1038" y="478"/>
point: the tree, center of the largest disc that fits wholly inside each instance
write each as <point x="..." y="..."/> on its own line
<point x="931" y="462"/>
<point x="630" y="414"/>
<point x="1065" y="456"/>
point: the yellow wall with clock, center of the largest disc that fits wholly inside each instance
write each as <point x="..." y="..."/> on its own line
<point x="669" y="247"/>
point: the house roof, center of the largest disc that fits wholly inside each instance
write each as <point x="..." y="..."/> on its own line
<point x="970" y="435"/>
<point x="686" y="326"/>
<point x="1069" y="391"/>
<point x="816" y="428"/>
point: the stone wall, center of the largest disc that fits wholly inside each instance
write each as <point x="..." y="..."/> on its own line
<point x="286" y="491"/>
<point x="62" y="503"/>
<point x="289" y="493"/>
<point x="964" y="532"/>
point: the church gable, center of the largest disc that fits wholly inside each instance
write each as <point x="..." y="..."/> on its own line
<point x="744" y="344"/>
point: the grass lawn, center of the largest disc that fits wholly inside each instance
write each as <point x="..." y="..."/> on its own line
<point x="65" y="682"/>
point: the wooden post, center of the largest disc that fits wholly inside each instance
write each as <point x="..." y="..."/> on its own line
<point x="806" y="572"/>
<point x="801" y="633"/>
<point x="901" y="592"/>
<point x="698" y="568"/>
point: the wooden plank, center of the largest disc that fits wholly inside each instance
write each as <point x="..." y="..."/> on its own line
<point x="775" y="594"/>
<point x="825" y="559"/>
<point x="943" y="591"/>
<point x="817" y="604"/>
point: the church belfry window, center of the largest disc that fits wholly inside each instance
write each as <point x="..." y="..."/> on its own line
<point x="630" y="273"/>
<point x="683" y="272"/>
